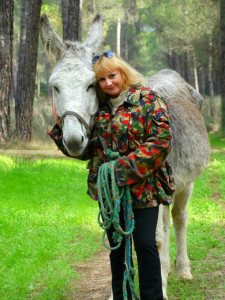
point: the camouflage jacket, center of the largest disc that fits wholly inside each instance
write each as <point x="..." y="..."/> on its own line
<point x="140" y="131"/>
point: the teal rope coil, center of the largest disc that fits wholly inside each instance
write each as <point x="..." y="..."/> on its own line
<point x="111" y="197"/>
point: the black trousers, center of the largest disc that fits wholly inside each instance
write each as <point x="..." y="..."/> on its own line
<point x="149" y="269"/>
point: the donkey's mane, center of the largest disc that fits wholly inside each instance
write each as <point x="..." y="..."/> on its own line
<point x="79" y="51"/>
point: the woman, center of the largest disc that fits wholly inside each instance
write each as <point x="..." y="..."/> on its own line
<point x="132" y="120"/>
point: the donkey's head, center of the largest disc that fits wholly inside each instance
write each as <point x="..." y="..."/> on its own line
<point x="73" y="82"/>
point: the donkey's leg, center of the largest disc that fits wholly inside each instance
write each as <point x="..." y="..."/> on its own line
<point x="180" y="219"/>
<point x="111" y="296"/>
<point x="162" y="239"/>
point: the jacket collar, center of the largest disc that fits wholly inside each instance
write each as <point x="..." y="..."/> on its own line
<point x="134" y="96"/>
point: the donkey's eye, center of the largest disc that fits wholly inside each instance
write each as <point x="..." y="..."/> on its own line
<point x="56" y="89"/>
<point x="90" y="87"/>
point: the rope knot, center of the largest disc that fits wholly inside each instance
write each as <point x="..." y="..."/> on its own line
<point x="112" y="155"/>
<point x="117" y="238"/>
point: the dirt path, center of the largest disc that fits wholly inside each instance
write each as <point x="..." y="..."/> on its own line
<point x="95" y="280"/>
<point x="55" y="153"/>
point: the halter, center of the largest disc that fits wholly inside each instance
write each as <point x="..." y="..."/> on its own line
<point x="82" y="121"/>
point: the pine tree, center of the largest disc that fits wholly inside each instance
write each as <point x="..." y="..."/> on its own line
<point x="71" y="18"/>
<point x="30" y="16"/>
<point x="6" y="50"/>
<point x="222" y="35"/>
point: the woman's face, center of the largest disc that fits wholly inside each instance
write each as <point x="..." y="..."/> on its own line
<point x="111" y="83"/>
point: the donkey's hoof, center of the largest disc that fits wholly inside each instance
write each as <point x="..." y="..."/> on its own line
<point x="184" y="275"/>
<point x="183" y="269"/>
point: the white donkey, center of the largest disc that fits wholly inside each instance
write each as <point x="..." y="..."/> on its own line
<point x="73" y="82"/>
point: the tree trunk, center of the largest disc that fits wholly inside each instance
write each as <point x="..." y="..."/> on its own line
<point x="211" y="91"/>
<point x="222" y="39"/>
<point x="182" y="65"/>
<point x="64" y="9"/>
<point x="13" y="88"/>
<point x="93" y="6"/>
<point x="6" y="54"/>
<point x="125" y="40"/>
<point x="30" y="15"/>
<point x="170" y="61"/>
<point x="175" y="61"/>
<point x="118" y="36"/>
<point x="38" y="85"/>
<point x="72" y="19"/>
<point x="202" y="84"/>
<point x="187" y="68"/>
<point x="195" y="73"/>
<point x="48" y="73"/>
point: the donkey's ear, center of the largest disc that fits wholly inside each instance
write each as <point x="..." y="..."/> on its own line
<point x="94" y="36"/>
<point x="54" y="46"/>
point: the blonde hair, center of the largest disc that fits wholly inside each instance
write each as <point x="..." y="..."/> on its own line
<point x="130" y="75"/>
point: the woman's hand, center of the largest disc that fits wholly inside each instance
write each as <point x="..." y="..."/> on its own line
<point x="54" y="112"/>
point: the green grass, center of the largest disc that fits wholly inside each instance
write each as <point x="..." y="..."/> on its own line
<point x="206" y="238"/>
<point x="217" y="141"/>
<point x="47" y="223"/>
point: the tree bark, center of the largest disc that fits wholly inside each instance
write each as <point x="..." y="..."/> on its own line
<point x="182" y="65"/>
<point x="222" y="40"/>
<point x="38" y="84"/>
<point x="13" y="84"/>
<point x="72" y="19"/>
<point x="93" y="6"/>
<point x="47" y="76"/>
<point x="211" y="90"/>
<point x="125" y="40"/>
<point x="187" y="68"/>
<point x="6" y="55"/>
<point x="170" y="60"/>
<point x="118" y="36"/>
<point x="175" y="61"/>
<point x="195" y="73"/>
<point x="202" y="80"/>
<point x="30" y="15"/>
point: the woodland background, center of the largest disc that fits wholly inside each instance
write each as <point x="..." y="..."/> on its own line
<point x="46" y="230"/>
<point x="185" y="35"/>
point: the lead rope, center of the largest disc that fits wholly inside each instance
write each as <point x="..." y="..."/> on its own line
<point x="111" y="196"/>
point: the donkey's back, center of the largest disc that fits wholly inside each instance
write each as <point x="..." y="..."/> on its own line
<point x="190" y="149"/>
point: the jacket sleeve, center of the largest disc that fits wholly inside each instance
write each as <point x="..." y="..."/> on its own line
<point x="57" y="135"/>
<point x="153" y="151"/>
